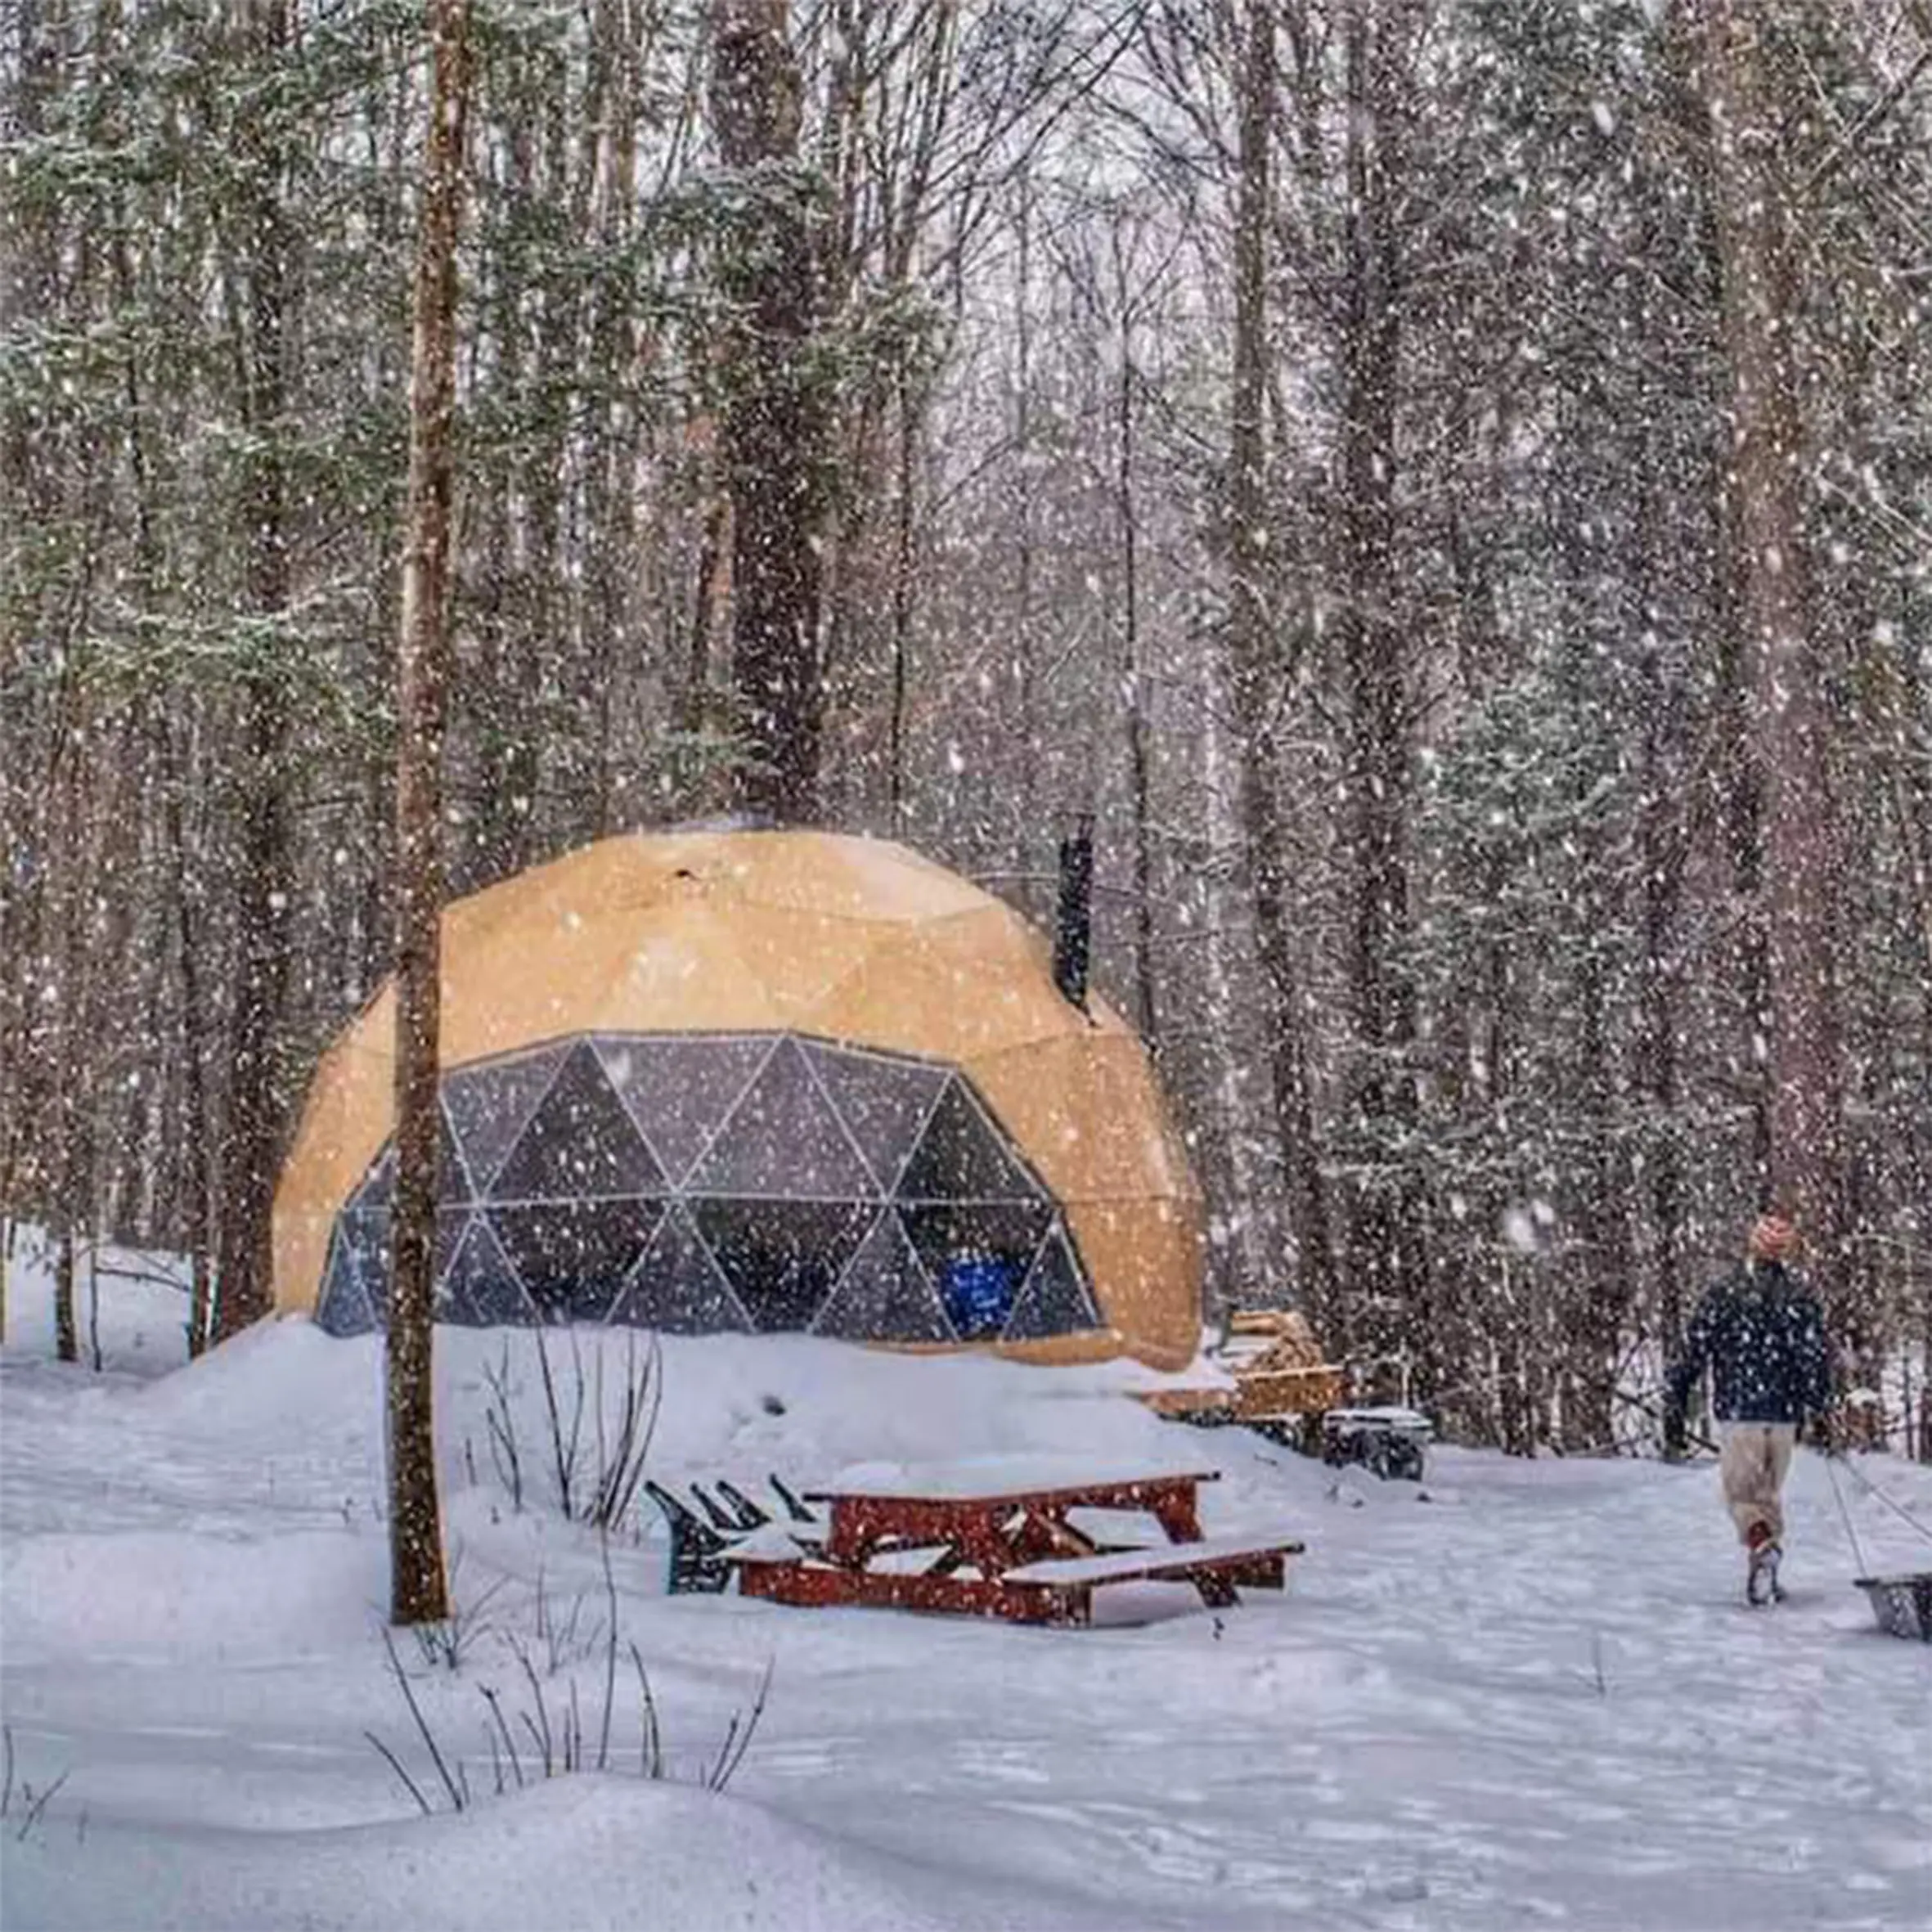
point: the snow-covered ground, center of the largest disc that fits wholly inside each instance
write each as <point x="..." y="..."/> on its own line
<point x="1526" y="1695"/>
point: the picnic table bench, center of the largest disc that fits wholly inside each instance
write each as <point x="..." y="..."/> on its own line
<point x="1007" y="1538"/>
<point x="1214" y="1566"/>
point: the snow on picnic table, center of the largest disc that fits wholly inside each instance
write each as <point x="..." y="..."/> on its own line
<point x="968" y="1477"/>
<point x="1533" y="1699"/>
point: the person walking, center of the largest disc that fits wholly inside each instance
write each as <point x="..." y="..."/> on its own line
<point x="1761" y="1333"/>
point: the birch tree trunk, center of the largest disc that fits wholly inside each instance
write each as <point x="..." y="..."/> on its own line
<point x="418" y="1588"/>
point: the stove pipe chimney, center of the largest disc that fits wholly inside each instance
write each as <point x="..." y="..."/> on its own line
<point x="1074" y="929"/>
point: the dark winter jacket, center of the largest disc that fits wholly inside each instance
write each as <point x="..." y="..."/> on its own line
<point x="1760" y="1332"/>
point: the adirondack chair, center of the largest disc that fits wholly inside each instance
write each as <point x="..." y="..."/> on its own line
<point x="701" y="1544"/>
<point x="697" y="1560"/>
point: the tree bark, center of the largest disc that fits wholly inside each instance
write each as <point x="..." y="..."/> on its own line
<point x="1252" y="659"/>
<point x="1140" y="731"/>
<point x="253" y="1127"/>
<point x="1386" y="1260"/>
<point x="418" y="1587"/>
<point x="178" y="777"/>
<point x="1790" y="746"/>
<point x="773" y="427"/>
<point x="905" y="551"/>
<point x="66" y="1338"/>
<point x="1664" y="841"/>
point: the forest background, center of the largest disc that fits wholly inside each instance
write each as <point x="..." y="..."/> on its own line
<point x="1446" y="484"/>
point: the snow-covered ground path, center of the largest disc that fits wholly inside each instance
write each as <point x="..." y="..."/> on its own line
<point x="1526" y="1696"/>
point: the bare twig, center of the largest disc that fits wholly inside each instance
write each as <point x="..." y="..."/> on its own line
<point x="500" y="1420"/>
<point x="447" y="1644"/>
<point x="503" y="1730"/>
<point x="738" y="1738"/>
<point x="423" y="1730"/>
<point x="566" y="1447"/>
<point x="37" y="1808"/>
<point x="622" y="1469"/>
<point x="1848" y="143"/>
<point x="395" y="1764"/>
<point x="602" y="1490"/>
<point x="540" y="1731"/>
<point x="610" y="1650"/>
<point x="651" y="1742"/>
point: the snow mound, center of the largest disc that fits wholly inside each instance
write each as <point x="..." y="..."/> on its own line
<point x="1517" y="1694"/>
<point x="628" y="1855"/>
<point x="225" y="1597"/>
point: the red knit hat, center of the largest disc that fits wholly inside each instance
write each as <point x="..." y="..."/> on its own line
<point x="1772" y="1238"/>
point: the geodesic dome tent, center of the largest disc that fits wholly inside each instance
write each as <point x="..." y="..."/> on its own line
<point x="760" y="1080"/>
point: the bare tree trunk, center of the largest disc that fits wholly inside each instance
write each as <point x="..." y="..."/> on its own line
<point x="418" y="1588"/>
<point x="1025" y="670"/>
<point x="1790" y="732"/>
<point x="95" y="1358"/>
<point x="907" y="448"/>
<point x="254" y="1114"/>
<point x="772" y="428"/>
<point x="695" y="696"/>
<point x="1664" y="844"/>
<point x="1252" y="657"/>
<point x="66" y="1338"/>
<point x="1140" y="747"/>
<point x="177" y="779"/>
<point x="1385" y="1263"/>
<point x="1598" y="1305"/>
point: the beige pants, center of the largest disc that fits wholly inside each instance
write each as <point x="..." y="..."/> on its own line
<point x="1752" y="1466"/>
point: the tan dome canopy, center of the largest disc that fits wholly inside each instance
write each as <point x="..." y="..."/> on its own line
<point x="760" y="1080"/>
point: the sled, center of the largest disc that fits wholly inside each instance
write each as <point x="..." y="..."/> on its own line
<point x="1902" y="1605"/>
<point x="1388" y="1441"/>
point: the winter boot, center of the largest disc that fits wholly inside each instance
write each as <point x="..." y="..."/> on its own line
<point x="1761" y="1585"/>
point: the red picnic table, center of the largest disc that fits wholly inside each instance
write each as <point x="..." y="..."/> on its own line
<point x="1027" y="1539"/>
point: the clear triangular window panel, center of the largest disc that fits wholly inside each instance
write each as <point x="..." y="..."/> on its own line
<point x="580" y="1143"/>
<point x="360" y="1262"/>
<point x="883" y="1102"/>
<point x="377" y="1188"/>
<point x="573" y="1256"/>
<point x="489" y="1106"/>
<point x="598" y="1290"/>
<point x="885" y="1295"/>
<point x="785" y="1140"/>
<point x="978" y="1256"/>
<point x="344" y="1308"/>
<point x="962" y="1156"/>
<point x="1009" y="1232"/>
<point x="452" y="1224"/>
<point x="677" y="1288"/>
<point x="453" y="1171"/>
<point x="782" y="1257"/>
<point x="479" y="1289"/>
<point x="679" y="1091"/>
<point x="1055" y="1299"/>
